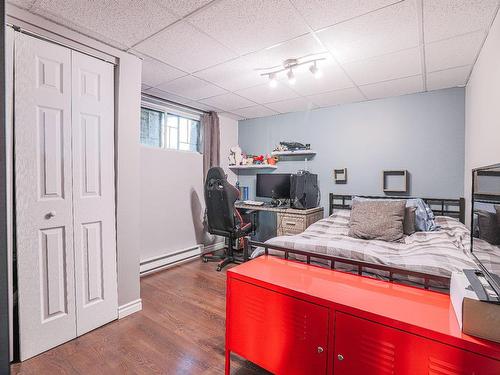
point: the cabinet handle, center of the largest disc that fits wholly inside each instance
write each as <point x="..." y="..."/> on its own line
<point x="340" y="357"/>
<point x="290" y="223"/>
<point x="320" y="349"/>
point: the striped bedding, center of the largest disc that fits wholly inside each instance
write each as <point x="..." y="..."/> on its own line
<point x="438" y="253"/>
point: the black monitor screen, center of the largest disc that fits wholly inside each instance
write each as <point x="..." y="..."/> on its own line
<point x="273" y="185"/>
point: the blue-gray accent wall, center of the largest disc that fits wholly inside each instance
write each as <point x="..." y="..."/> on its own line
<point x="422" y="133"/>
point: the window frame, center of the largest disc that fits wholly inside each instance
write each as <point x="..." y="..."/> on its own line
<point x="168" y="110"/>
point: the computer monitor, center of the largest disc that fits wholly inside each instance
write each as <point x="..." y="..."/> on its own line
<point x="275" y="185"/>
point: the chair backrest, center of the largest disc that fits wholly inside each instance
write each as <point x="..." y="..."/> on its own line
<point x="220" y="197"/>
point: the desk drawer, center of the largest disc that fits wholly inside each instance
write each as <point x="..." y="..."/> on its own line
<point x="289" y="224"/>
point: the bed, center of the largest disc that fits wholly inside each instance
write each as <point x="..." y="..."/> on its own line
<point x="424" y="258"/>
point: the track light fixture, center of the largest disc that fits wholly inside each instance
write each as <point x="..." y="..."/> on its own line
<point x="289" y="66"/>
<point x="291" y="77"/>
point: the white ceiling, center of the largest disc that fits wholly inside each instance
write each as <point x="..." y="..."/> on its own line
<point x="205" y="53"/>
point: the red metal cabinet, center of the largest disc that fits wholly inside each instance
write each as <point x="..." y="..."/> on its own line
<point x="283" y="334"/>
<point x="365" y="347"/>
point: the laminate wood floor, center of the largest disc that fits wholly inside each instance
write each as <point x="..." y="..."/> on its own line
<point x="180" y="330"/>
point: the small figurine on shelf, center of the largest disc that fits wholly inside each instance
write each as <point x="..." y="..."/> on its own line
<point x="258" y="159"/>
<point x="271" y="160"/>
<point x="235" y="156"/>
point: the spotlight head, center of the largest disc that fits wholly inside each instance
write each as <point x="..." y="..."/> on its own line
<point x="272" y="80"/>
<point x="291" y="77"/>
<point x="315" y="71"/>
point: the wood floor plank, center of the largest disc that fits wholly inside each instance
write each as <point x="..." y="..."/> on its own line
<point x="179" y="331"/>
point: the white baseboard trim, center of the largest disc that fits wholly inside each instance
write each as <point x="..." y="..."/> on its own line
<point x="162" y="262"/>
<point x="129" y="308"/>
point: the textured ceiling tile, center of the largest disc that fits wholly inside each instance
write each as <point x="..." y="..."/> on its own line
<point x="145" y="87"/>
<point x="302" y="46"/>
<point x="155" y="72"/>
<point x="228" y="102"/>
<point x="397" y="87"/>
<point x="255" y="111"/>
<point x="265" y="94"/>
<point x="230" y="115"/>
<point x="449" y="53"/>
<point x="456" y="77"/>
<point x="322" y="13"/>
<point x="203" y="107"/>
<point x="387" y="30"/>
<point x="292" y="105"/>
<point x="184" y="7"/>
<point x="25" y="4"/>
<point x="332" y="78"/>
<point x="337" y="97"/>
<point x="192" y="88"/>
<point x="234" y="75"/>
<point x="384" y="68"/>
<point x="184" y="47"/>
<point x="124" y="22"/>
<point x="167" y="96"/>
<point x="447" y="18"/>
<point x="249" y="25"/>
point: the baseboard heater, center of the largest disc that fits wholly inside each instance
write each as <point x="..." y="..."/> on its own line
<point x="160" y="262"/>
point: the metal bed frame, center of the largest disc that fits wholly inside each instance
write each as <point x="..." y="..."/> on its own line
<point x="449" y="207"/>
<point x="444" y="207"/>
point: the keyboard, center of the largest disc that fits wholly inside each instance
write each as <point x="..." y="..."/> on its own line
<point x="253" y="203"/>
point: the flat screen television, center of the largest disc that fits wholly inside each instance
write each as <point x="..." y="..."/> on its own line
<point x="273" y="185"/>
<point x="485" y="229"/>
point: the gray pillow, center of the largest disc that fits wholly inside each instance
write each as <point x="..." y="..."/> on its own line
<point x="489" y="230"/>
<point x="409" y="221"/>
<point x="377" y="220"/>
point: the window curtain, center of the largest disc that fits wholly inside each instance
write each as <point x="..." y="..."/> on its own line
<point x="211" y="141"/>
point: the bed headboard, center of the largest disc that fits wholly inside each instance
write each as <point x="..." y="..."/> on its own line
<point x="443" y="207"/>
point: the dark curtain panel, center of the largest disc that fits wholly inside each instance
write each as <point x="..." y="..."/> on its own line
<point x="4" y="307"/>
<point x="211" y="141"/>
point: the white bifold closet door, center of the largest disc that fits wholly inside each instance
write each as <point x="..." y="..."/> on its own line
<point x="64" y="189"/>
<point x="93" y="192"/>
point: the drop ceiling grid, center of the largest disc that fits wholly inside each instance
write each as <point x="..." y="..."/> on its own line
<point x="447" y="19"/>
<point x="421" y="46"/>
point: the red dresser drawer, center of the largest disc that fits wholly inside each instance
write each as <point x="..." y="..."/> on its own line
<point x="282" y="334"/>
<point x="365" y="347"/>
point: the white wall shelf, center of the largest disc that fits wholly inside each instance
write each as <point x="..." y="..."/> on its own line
<point x="294" y="153"/>
<point x="252" y="166"/>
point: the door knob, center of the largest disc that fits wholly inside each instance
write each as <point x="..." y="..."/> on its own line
<point x="50" y="215"/>
<point x="320" y="349"/>
<point x="340" y="357"/>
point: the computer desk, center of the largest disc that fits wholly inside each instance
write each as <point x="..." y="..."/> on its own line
<point x="289" y="221"/>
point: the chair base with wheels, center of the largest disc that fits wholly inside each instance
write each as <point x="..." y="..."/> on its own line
<point x="229" y="256"/>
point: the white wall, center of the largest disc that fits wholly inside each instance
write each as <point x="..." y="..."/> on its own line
<point x="482" y="109"/>
<point x="172" y="203"/>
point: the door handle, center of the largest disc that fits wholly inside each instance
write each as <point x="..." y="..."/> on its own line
<point x="340" y="357"/>
<point x="50" y="215"/>
<point x="320" y="349"/>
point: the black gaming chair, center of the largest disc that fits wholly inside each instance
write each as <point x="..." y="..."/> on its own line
<point x="223" y="218"/>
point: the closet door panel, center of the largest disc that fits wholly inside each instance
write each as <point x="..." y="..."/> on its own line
<point x="93" y="192"/>
<point x="44" y="220"/>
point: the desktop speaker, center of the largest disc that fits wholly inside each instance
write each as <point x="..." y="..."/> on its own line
<point x="304" y="190"/>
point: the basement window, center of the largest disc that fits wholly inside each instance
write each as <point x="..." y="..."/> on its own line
<point x="152" y="125"/>
<point x="170" y="130"/>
